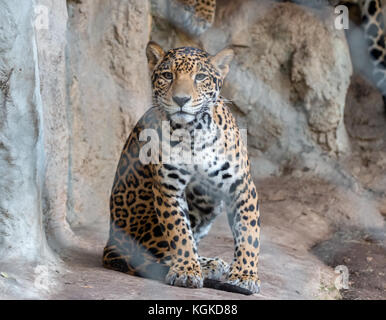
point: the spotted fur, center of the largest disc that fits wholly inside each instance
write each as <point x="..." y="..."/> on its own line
<point x="373" y="25"/>
<point x="161" y="209"/>
<point x="192" y="16"/>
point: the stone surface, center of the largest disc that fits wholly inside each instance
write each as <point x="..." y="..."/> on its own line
<point x="71" y="89"/>
<point x="23" y="246"/>
<point x="293" y="67"/>
<point x="51" y="31"/>
<point x="108" y="91"/>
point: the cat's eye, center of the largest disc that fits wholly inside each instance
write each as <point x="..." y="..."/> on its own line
<point x="200" y="76"/>
<point x="167" y="75"/>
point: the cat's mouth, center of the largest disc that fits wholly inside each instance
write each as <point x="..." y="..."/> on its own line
<point x="182" y="112"/>
<point x="182" y="116"/>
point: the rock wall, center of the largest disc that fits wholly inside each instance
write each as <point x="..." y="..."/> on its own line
<point x="51" y="28"/>
<point x="23" y="245"/>
<point x="295" y="55"/>
<point x="108" y="90"/>
<point x="73" y="82"/>
<point x="21" y="135"/>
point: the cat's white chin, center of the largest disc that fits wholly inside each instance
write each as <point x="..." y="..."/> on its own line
<point x="182" y="117"/>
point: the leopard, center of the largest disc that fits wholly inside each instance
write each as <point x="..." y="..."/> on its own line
<point x="184" y="163"/>
<point x="196" y="16"/>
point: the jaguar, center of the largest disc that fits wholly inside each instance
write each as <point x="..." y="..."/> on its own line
<point x="184" y="163"/>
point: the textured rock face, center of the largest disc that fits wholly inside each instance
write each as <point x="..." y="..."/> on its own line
<point x="108" y="90"/>
<point x="297" y="69"/>
<point x="23" y="245"/>
<point x="305" y="67"/>
<point x="71" y="88"/>
<point x="21" y="145"/>
<point x="51" y="25"/>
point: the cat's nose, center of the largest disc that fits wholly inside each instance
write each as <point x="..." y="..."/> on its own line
<point x="181" y="101"/>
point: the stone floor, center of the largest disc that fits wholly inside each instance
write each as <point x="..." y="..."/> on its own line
<point x="303" y="221"/>
<point x="288" y="269"/>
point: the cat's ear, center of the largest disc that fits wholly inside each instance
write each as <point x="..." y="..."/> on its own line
<point x="222" y="60"/>
<point x="154" y="54"/>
